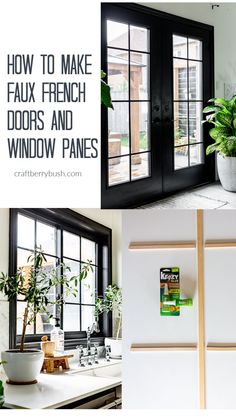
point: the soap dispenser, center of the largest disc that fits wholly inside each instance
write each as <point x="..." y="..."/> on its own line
<point x="57" y="336"/>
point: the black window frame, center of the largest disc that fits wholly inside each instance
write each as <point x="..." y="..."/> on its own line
<point x="75" y="223"/>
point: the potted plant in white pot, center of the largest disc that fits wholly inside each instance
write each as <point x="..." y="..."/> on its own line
<point x="112" y="302"/>
<point x="22" y="365"/>
<point x="222" y="114"/>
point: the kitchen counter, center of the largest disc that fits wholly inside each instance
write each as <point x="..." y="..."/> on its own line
<point x="61" y="388"/>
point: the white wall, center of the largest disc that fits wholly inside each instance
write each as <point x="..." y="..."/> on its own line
<point x="110" y="218"/>
<point x="223" y="19"/>
<point x="170" y="379"/>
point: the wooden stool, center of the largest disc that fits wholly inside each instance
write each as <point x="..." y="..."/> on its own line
<point x="52" y="363"/>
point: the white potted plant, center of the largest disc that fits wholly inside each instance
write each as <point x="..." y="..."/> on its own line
<point x="23" y="365"/>
<point x="222" y="114"/>
<point x="112" y="302"/>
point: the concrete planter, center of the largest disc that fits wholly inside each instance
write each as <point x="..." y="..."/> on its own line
<point x="22" y="367"/>
<point x="227" y="172"/>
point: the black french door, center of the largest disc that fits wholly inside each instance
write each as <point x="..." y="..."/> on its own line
<point x="160" y="70"/>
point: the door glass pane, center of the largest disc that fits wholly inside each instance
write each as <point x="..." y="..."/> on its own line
<point x="25" y="232"/>
<point x="139" y="39"/>
<point x="180" y="79"/>
<point x="46" y="238"/>
<point x="117" y="34"/>
<point x="139" y="76"/>
<point x="196" y="154"/>
<point x="181" y="157"/>
<point x="195" y="125"/>
<point x="119" y="170"/>
<point x="118" y="129"/>
<point x="140" y="126"/>
<point x="140" y="164"/>
<point x="118" y="73"/>
<point x="195" y="80"/>
<point x="194" y="49"/>
<point x="43" y="322"/>
<point x="181" y="131"/>
<point x="180" y="46"/>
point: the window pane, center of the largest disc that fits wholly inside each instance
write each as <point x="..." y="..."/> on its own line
<point x="181" y="157"/>
<point x="71" y="245"/>
<point x="139" y="76"/>
<point x="179" y="46"/>
<point x="196" y="154"/>
<point x="140" y="126"/>
<point x="118" y="70"/>
<point x="46" y="238"/>
<point x="180" y="79"/>
<point x="88" y="250"/>
<point x="88" y="288"/>
<point x="118" y="128"/>
<point x="87" y="317"/>
<point x="139" y="38"/>
<point x="117" y="34"/>
<point x="194" y="49"/>
<point x="71" y="317"/>
<point x="19" y="319"/>
<point x="195" y="80"/>
<point x="140" y="165"/>
<point x="25" y="232"/>
<point x="22" y="257"/>
<point x="75" y="271"/>
<point x="43" y="323"/>
<point x="118" y="170"/>
<point x="181" y="110"/>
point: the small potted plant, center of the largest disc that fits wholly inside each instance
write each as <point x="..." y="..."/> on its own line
<point x="112" y="302"/>
<point x="23" y="365"/>
<point x="222" y="114"/>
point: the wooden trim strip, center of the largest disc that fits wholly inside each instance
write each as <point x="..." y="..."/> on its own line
<point x="219" y="243"/>
<point x="153" y="347"/>
<point x="201" y="328"/>
<point x="162" y="245"/>
<point x="221" y="347"/>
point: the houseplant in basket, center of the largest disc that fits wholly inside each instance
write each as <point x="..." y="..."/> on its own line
<point x="221" y="113"/>
<point x="33" y="286"/>
<point x="112" y="302"/>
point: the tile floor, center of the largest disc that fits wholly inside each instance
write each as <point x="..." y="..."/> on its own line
<point x="208" y="197"/>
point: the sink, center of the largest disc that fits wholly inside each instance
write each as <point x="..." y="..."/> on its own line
<point x="112" y="370"/>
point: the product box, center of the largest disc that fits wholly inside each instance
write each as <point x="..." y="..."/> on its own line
<point x="169" y="292"/>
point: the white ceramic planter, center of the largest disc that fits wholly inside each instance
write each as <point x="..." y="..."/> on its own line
<point x="116" y="347"/>
<point x="227" y="172"/>
<point x="22" y="367"/>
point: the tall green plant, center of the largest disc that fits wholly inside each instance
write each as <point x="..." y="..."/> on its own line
<point x="35" y="286"/>
<point x="112" y="301"/>
<point x="105" y="92"/>
<point x="222" y="114"/>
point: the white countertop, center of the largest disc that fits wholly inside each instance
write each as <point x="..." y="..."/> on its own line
<point x="60" y="388"/>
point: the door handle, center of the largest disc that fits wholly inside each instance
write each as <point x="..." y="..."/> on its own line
<point x="156" y="120"/>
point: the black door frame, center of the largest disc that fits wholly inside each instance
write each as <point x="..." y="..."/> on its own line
<point x="139" y="192"/>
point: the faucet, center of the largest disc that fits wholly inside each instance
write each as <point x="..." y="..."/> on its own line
<point x="88" y="356"/>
